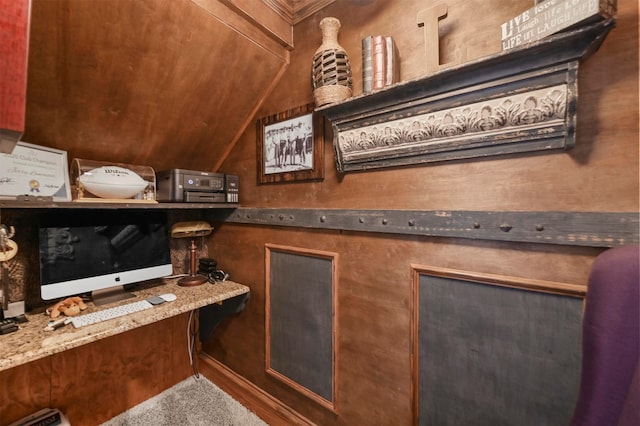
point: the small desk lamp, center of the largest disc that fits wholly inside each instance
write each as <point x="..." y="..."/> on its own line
<point x="191" y="230"/>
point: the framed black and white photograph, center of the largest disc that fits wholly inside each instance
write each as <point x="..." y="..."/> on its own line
<point x="290" y="146"/>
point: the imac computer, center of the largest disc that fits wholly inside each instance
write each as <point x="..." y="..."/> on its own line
<point x="98" y="252"/>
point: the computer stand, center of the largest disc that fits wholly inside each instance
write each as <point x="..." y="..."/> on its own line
<point x="110" y="295"/>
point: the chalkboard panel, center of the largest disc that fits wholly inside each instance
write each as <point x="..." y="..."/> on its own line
<point x="493" y="355"/>
<point x="300" y="315"/>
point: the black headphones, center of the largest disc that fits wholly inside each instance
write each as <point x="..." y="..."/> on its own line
<point x="208" y="268"/>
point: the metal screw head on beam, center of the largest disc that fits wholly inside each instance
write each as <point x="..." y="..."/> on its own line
<point x="505" y="227"/>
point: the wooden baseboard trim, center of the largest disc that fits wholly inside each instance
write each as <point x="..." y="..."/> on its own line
<point x="265" y="406"/>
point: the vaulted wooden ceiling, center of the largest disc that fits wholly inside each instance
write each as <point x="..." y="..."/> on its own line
<point x="169" y="84"/>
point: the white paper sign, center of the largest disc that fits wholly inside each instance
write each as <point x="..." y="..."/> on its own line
<point x="36" y="171"/>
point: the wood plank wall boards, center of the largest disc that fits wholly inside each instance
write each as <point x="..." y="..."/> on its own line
<point x="97" y="381"/>
<point x="593" y="229"/>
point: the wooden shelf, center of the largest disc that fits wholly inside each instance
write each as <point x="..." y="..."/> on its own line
<point x="517" y="101"/>
<point x="31" y="342"/>
<point x="10" y="204"/>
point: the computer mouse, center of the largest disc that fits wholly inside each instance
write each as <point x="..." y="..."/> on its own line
<point x="169" y="297"/>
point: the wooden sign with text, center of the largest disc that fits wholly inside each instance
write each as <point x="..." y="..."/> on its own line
<point x="552" y="16"/>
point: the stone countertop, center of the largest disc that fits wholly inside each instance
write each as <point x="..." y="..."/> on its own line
<point x="32" y="342"/>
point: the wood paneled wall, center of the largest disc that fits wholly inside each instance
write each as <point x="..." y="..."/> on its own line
<point x="111" y="83"/>
<point x="97" y="381"/>
<point x="166" y="84"/>
<point x="374" y="372"/>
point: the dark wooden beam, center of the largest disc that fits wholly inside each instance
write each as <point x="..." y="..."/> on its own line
<point x="590" y="229"/>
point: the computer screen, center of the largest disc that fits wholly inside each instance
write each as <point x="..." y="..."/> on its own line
<point x="96" y="251"/>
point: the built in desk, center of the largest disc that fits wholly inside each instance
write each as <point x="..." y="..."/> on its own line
<point x="31" y="342"/>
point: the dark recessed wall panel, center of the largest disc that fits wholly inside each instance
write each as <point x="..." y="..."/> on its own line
<point x="493" y="355"/>
<point x="300" y="321"/>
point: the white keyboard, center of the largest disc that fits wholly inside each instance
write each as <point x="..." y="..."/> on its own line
<point x="110" y="313"/>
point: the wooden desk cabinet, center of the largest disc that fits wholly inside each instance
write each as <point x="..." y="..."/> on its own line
<point x="96" y="372"/>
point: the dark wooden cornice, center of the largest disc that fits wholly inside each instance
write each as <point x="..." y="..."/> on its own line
<point x="294" y="11"/>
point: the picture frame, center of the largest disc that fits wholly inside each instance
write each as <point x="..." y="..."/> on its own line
<point x="290" y="146"/>
<point x="34" y="171"/>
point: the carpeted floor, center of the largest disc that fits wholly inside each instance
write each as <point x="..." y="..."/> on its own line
<point x="192" y="402"/>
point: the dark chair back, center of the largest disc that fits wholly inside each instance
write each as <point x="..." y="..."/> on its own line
<point x="610" y="378"/>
